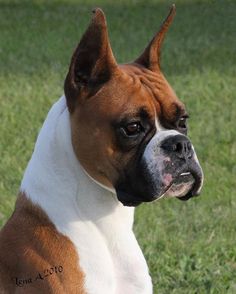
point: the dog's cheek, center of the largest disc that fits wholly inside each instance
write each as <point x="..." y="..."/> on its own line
<point x="100" y="160"/>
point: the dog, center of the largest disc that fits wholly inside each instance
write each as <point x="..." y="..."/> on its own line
<point x="117" y="138"/>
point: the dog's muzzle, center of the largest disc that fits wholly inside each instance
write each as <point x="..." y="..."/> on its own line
<point x="168" y="168"/>
<point x="183" y="167"/>
<point x="171" y="163"/>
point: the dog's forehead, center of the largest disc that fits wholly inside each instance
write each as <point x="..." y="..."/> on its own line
<point x="132" y="89"/>
<point x="153" y="89"/>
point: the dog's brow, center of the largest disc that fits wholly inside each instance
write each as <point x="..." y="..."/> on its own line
<point x="141" y="112"/>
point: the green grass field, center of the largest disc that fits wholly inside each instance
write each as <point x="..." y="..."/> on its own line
<point x="190" y="247"/>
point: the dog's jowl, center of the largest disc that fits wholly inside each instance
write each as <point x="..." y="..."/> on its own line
<point x="117" y="138"/>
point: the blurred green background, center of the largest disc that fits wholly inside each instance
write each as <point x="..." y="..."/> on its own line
<point x="190" y="247"/>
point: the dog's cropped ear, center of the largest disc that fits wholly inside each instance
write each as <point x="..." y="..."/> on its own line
<point x="150" y="58"/>
<point x="92" y="63"/>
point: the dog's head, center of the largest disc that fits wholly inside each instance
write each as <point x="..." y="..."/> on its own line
<point x="129" y="129"/>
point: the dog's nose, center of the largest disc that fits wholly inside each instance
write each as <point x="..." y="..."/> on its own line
<point x="179" y="145"/>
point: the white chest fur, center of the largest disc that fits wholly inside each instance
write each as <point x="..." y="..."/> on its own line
<point x="96" y="222"/>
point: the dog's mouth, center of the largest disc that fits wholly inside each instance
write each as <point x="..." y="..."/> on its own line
<point x="184" y="183"/>
<point x="180" y="186"/>
<point x="184" y="186"/>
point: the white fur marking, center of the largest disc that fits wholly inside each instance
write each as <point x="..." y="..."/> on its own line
<point x="96" y="222"/>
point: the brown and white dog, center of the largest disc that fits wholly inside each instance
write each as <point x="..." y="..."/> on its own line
<point x="116" y="139"/>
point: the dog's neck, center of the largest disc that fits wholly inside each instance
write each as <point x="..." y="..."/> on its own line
<point x="55" y="180"/>
<point x="90" y="215"/>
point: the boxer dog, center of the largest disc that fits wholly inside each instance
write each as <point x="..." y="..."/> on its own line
<point x="117" y="138"/>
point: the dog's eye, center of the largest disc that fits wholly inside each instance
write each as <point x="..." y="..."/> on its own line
<point x="132" y="129"/>
<point x="182" y="124"/>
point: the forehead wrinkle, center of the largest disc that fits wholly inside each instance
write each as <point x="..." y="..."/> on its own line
<point x="163" y="99"/>
<point x="142" y="77"/>
<point x="131" y="77"/>
<point x="155" y="83"/>
<point x="166" y="103"/>
<point x="158" y="86"/>
<point x="136" y="83"/>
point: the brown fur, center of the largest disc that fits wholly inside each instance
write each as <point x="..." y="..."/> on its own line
<point x="30" y="246"/>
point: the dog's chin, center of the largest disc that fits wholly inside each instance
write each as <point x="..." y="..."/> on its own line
<point x="127" y="199"/>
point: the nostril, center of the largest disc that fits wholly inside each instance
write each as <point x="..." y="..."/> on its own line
<point x="174" y="147"/>
<point x="189" y="146"/>
<point x="178" y="147"/>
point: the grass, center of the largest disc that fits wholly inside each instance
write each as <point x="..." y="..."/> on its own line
<point x="190" y="247"/>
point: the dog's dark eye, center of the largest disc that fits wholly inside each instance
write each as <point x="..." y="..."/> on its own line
<point x="132" y="129"/>
<point x="182" y="124"/>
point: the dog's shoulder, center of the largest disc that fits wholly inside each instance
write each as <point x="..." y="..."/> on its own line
<point x="34" y="255"/>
